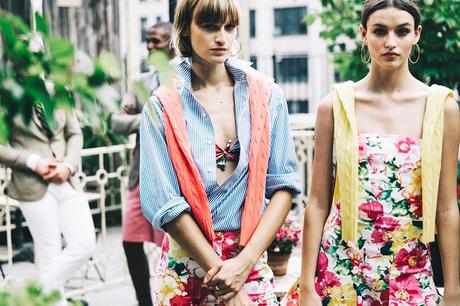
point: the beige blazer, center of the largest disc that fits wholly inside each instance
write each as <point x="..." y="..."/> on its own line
<point x="25" y="140"/>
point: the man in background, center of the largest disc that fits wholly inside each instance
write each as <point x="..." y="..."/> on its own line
<point x="136" y="228"/>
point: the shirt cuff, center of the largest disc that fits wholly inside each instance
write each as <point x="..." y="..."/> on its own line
<point x="290" y="181"/>
<point x="70" y="167"/>
<point x="32" y="161"/>
<point x="170" y="211"/>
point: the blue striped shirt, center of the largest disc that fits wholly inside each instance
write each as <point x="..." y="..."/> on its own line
<point x="161" y="199"/>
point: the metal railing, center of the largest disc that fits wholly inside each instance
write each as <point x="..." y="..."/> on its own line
<point x="103" y="175"/>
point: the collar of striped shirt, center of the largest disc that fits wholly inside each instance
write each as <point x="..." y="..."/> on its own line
<point x="236" y="67"/>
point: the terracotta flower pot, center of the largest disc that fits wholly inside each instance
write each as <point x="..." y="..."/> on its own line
<point x="278" y="264"/>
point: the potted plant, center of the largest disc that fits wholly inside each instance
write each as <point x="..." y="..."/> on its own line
<point x="280" y="249"/>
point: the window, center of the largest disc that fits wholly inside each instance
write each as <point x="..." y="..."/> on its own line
<point x="144" y="67"/>
<point x="290" y="21"/>
<point x="253" y="60"/>
<point x="252" y="23"/>
<point x="143" y="29"/>
<point x="293" y="69"/>
<point x="297" y="106"/>
<point x="337" y="77"/>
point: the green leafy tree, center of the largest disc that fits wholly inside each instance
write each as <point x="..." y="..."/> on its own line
<point x="38" y="68"/>
<point x="439" y="44"/>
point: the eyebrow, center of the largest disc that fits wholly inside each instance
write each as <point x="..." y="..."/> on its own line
<point x="398" y="26"/>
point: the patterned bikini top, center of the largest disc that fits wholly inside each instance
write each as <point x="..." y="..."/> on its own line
<point x="231" y="152"/>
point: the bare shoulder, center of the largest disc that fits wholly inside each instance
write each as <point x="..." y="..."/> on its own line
<point x="419" y="86"/>
<point x="325" y="115"/>
<point x="451" y="106"/>
<point x="451" y="116"/>
<point x="325" y="105"/>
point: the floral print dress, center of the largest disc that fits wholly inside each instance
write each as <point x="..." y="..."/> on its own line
<point x="388" y="264"/>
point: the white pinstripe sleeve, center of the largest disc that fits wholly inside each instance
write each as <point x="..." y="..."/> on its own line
<point x="282" y="166"/>
<point x="161" y="200"/>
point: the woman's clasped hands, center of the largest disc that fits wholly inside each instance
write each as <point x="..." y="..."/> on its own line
<point x="228" y="277"/>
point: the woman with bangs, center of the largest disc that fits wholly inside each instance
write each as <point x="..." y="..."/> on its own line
<point x="218" y="168"/>
<point x="389" y="141"/>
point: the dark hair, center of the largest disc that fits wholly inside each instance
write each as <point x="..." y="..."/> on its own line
<point x="370" y="6"/>
<point x="166" y="26"/>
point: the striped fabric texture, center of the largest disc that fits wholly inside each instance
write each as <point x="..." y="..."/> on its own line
<point x="161" y="199"/>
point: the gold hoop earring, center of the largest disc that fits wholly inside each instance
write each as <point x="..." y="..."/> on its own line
<point x="418" y="55"/>
<point x="233" y="54"/>
<point x="363" y="55"/>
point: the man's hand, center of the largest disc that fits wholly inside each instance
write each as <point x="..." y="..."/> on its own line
<point x="228" y="278"/>
<point x="129" y="109"/>
<point x="58" y="175"/>
<point x="44" y="166"/>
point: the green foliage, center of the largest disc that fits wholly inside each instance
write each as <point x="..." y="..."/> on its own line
<point x="439" y="44"/>
<point x="100" y="138"/>
<point x="166" y="71"/>
<point x="37" y="68"/>
<point x="31" y="295"/>
<point x="141" y="92"/>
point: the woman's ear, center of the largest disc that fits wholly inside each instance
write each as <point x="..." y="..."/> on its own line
<point x="418" y="32"/>
<point x="186" y="32"/>
<point x="363" y="33"/>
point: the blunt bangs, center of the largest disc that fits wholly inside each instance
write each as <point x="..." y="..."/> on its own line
<point x="217" y="12"/>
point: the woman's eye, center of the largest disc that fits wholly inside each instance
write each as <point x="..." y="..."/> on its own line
<point x="402" y="32"/>
<point x="379" y="32"/>
<point x="210" y="26"/>
<point x="230" y="26"/>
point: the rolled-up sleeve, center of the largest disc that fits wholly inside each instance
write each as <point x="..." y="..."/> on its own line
<point x="282" y="165"/>
<point x="161" y="200"/>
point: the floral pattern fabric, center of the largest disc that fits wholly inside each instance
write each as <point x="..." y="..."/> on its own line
<point x="388" y="264"/>
<point x="180" y="278"/>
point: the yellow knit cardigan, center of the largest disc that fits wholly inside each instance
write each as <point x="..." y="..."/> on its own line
<point x="346" y="143"/>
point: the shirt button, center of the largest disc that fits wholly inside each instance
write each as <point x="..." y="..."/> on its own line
<point x="204" y="115"/>
<point x="209" y="170"/>
<point x="209" y="141"/>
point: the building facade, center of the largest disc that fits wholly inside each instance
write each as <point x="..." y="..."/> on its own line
<point x="150" y="13"/>
<point x="284" y="47"/>
<point x="280" y="44"/>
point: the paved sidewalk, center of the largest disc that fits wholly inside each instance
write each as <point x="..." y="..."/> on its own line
<point x="117" y="289"/>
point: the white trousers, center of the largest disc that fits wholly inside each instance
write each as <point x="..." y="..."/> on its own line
<point x="62" y="210"/>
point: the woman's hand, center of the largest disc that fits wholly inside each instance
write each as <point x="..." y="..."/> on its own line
<point x="309" y="297"/>
<point x="240" y="299"/>
<point x="450" y="300"/>
<point x="228" y="277"/>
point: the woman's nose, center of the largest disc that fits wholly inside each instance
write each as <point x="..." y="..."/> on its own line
<point x="391" y="41"/>
<point x="219" y="37"/>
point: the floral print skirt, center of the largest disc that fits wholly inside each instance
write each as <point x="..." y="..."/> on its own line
<point x="180" y="278"/>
